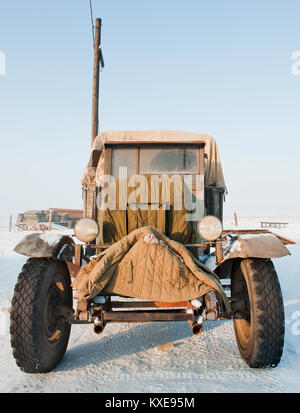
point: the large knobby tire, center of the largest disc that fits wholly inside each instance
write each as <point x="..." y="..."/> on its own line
<point x="258" y="312"/>
<point x="39" y="325"/>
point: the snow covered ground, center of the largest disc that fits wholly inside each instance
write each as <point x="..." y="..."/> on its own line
<point x="126" y="358"/>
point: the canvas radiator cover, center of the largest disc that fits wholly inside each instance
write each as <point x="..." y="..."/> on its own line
<point x="157" y="202"/>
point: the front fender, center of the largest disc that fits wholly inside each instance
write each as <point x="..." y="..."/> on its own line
<point x="46" y="245"/>
<point x="249" y="246"/>
<point x="255" y="246"/>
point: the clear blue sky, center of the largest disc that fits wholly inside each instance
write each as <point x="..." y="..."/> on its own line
<point x="216" y="67"/>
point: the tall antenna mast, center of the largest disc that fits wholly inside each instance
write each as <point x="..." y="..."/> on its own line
<point x="98" y="60"/>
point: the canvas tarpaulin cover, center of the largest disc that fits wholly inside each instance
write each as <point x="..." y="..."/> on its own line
<point x="148" y="265"/>
<point x="213" y="167"/>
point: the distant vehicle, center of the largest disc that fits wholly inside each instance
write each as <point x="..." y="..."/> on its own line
<point x="41" y="220"/>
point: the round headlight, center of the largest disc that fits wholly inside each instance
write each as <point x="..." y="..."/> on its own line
<point x="86" y="229"/>
<point x="210" y="228"/>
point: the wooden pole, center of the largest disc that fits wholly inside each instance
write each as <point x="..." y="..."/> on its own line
<point x="10" y="222"/>
<point x="96" y="79"/>
<point x="235" y="219"/>
<point x="50" y="220"/>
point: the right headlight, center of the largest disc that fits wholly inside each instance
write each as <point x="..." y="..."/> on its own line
<point x="210" y="228"/>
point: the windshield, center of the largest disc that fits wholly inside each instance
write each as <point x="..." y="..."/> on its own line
<point x="168" y="160"/>
<point x="155" y="160"/>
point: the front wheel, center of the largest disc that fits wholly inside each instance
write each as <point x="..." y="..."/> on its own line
<point x="258" y="312"/>
<point x="40" y="315"/>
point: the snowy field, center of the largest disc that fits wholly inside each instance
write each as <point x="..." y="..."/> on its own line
<point x="126" y="357"/>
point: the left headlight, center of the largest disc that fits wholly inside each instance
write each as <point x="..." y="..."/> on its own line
<point x="86" y="229"/>
<point x="210" y="228"/>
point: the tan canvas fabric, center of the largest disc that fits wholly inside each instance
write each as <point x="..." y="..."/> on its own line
<point x="213" y="168"/>
<point x="147" y="264"/>
<point x="116" y="223"/>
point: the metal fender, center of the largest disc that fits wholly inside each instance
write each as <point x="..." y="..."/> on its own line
<point x="46" y="245"/>
<point x="254" y="246"/>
